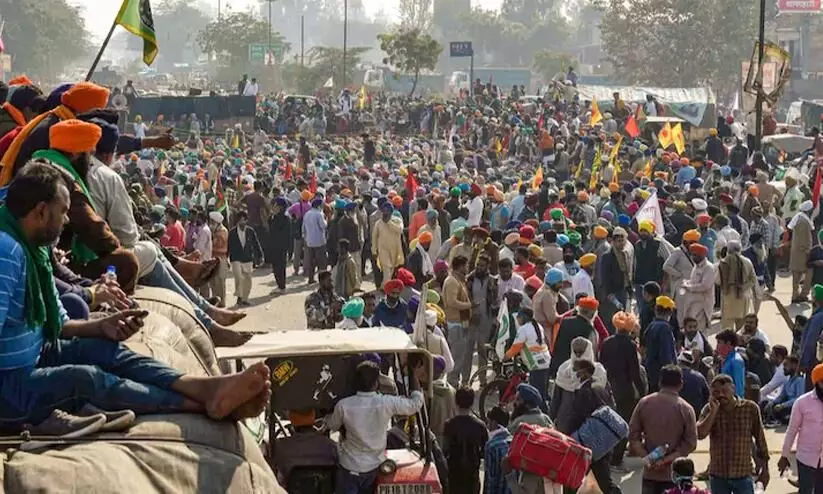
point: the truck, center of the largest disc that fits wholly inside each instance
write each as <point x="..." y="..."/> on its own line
<point x="503" y="77"/>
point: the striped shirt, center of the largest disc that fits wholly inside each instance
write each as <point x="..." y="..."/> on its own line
<point x="20" y="345"/>
<point x="494" y="481"/>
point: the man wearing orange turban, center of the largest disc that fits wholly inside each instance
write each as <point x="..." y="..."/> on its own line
<point x="420" y="261"/>
<point x="93" y="245"/>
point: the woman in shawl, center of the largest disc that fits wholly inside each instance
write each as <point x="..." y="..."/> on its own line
<point x="566" y="383"/>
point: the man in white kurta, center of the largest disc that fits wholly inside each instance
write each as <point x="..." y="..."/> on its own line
<point x="678" y="267"/>
<point x="698" y="289"/>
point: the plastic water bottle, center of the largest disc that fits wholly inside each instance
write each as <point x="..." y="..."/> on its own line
<point x="759" y="489"/>
<point x="656" y="455"/>
<point x="111" y="274"/>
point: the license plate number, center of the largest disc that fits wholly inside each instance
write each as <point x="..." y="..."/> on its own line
<point x="404" y="489"/>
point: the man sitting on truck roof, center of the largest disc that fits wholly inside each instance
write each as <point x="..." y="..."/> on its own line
<point x="50" y="365"/>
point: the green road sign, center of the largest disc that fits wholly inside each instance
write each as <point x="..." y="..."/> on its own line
<point x="257" y="53"/>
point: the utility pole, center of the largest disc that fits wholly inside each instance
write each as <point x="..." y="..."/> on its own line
<point x="758" y="126"/>
<point x="270" y="54"/>
<point x="345" y="37"/>
<point x="302" y="37"/>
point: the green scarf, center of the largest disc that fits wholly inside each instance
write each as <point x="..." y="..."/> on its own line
<point x="80" y="252"/>
<point x="41" y="307"/>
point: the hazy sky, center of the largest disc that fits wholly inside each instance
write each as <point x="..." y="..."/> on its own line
<point x="100" y="14"/>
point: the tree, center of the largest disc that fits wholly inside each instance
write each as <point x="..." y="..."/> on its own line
<point x="410" y="51"/>
<point x="322" y="62"/>
<point x="43" y="36"/>
<point x="549" y="63"/>
<point x="678" y="42"/>
<point x="415" y="14"/>
<point x="229" y="39"/>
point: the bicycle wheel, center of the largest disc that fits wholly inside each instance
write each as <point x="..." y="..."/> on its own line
<point x="475" y="382"/>
<point x="494" y="394"/>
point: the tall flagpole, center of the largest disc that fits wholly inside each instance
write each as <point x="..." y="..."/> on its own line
<point x="102" y="49"/>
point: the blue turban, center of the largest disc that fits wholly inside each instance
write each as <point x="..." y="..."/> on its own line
<point x="545" y="226"/>
<point x="386" y="207"/>
<point x="160" y="191"/>
<point x="431" y="214"/>
<point x="562" y="239"/>
<point x="317" y="203"/>
<point x="553" y="276"/>
<point x="696" y="183"/>
<point x="530" y="395"/>
<point x="281" y="201"/>
<point x="623" y="219"/>
<point x="108" y="138"/>
<point x="726" y="170"/>
<point x="513" y="225"/>
<point x="350" y="205"/>
<point x="339" y="204"/>
<point x="53" y="100"/>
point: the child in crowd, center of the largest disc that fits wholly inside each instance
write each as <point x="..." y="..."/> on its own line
<point x="683" y="478"/>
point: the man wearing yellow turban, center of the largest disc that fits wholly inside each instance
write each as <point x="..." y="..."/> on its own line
<point x="93" y="245"/>
<point x="649" y="255"/>
<point x="659" y="341"/>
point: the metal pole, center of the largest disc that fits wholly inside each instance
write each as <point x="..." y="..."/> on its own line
<point x="345" y="36"/>
<point x="302" y="37"/>
<point x="100" y="53"/>
<point x="471" y="73"/>
<point x="270" y="28"/>
<point x="758" y="126"/>
<point x="218" y="10"/>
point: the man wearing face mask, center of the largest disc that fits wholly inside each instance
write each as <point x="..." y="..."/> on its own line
<point x="732" y="424"/>
<point x="805" y="426"/>
<point x="649" y="254"/>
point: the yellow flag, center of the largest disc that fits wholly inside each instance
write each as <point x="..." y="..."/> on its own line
<point x="665" y="136"/>
<point x="615" y="150"/>
<point x="678" y="139"/>
<point x="498" y="146"/>
<point x="597" y="117"/>
<point x="135" y="16"/>
<point x="598" y="158"/>
<point x="538" y="177"/>
<point x="361" y="103"/>
<point x="648" y="170"/>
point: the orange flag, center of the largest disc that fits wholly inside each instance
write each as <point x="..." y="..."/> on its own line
<point x="631" y="127"/>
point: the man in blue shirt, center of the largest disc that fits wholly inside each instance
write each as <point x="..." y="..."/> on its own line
<point x="49" y="362"/>
<point x="497" y="447"/>
<point x="732" y="363"/>
<point x="658" y="340"/>
<point x="314" y="236"/>
<point x="776" y="412"/>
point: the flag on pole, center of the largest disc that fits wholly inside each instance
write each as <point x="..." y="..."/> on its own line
<point x="411" y="184"/>
<point x="361" y="99"/>
<point x="615" y="150"/>
<point x="631" y="127"/>
<point x="313" y="184"/>
<point x="650" y="210"/>
<point x="639" y="114"/>
<point x="503" y="330"/>
<point x="538" y="177"/>
<point x="419" y="328"/>
<point x="135" y="17"/>
<point x="329" y="83"/>
<point x="648" y="169"/>
<point x="678" y="139"/>
<point x="596" y="163"/>
<point x="665" y="136"/>
<point x="287" y="175"/>
<point x="596" y="115"/>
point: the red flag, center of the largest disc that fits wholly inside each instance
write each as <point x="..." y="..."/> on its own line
<point x="287" y="175"/>
<point x="631" y="127"/>
<point x="816" y="188"/>
<point x="540" y="122"/>
<point x="411" y="185"/>
<point x="313" y="184"/>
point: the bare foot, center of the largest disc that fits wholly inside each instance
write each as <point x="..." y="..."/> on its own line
<point x="255" y="406"/>
<point x="225" y="317"/>
<point x="195" y="273"/>
<point x="225" y="337"/>
<point x="237" y="389"/>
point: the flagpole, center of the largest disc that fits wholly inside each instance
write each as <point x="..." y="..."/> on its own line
<point x="102" y="49"/>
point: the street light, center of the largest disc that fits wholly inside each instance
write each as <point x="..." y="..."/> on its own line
<point x="345" y="36"/>
<point x="758" y="125"/>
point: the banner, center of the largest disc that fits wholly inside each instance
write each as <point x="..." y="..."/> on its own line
<point x="650" y="210"/>
<point x="805" y="6"/>
<point x="772" y="79"/>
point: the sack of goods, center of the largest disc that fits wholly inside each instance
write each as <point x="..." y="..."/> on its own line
<point x="548" y="453"/>
<point x="601" y="431"/>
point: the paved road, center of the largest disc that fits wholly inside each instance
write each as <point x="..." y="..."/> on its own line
<point x="285" y="312"/>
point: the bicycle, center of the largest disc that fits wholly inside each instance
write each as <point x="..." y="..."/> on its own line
<point x="502" y="390"/>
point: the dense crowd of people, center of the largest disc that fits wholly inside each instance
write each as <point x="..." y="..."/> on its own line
<point x="611" y="259"/>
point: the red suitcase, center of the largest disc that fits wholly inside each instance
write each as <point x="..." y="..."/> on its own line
<point x="546" y="452"/>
